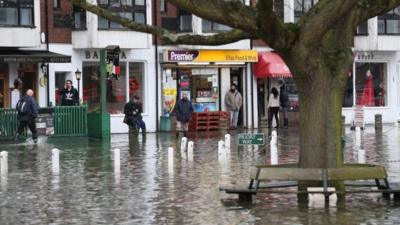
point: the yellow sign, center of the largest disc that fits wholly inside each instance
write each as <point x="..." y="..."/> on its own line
<point x="225" y="56"/>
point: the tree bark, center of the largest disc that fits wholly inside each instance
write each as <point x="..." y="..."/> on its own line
<point x="320" y="116"/>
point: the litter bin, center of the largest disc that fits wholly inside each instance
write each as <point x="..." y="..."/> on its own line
<point x="165" y="123"/>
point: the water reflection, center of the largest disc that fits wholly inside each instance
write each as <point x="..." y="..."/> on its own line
<point x="146" y="190"/>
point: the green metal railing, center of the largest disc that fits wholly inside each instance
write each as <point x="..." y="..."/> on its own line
<point x="70" y="121"/>
<point x="8" y="123"/>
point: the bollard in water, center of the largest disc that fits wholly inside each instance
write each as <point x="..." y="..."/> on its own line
<point x="4" y="163"/>
<point x="221" y="148"/>
<point x="274" y="155"/>
<point x="117" y="160"/>
<point x="170" y="160"/>
<point x="190" y="151"/>
<point x="183" y="144"/>
<point x="361" y="156"/>
<point x="227" y="141"/>
<point x="55" y="161"/>
<point x="378" y="122"/>
<point x="358" y="137"/>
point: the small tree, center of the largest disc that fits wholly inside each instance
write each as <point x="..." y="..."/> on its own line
<point x="317" y="50"/>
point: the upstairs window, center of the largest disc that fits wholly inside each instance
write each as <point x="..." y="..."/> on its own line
<point x="131" y="9"/>
<point x="185" y="21"/>
<point x="389" y="23"/>
<point x="16" y="13"/>
<point x="301" y="7"/>
<point x="362" y="29"/>
<point x="213" y="27"/>
<point x="79" y="18"/>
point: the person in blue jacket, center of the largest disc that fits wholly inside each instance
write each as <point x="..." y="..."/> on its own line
<point x="183" y="111"/>
<point x="27" y="112"/>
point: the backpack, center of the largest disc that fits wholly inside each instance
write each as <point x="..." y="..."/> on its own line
<point x="22" y="107"/>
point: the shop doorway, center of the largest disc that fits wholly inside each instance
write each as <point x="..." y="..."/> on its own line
<point x="29" y="79"/>
<point x="236" y="78"/>
<point x="4" y="90"/>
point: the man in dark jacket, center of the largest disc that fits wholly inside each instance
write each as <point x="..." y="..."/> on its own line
<point x="27" y="112"/>
<point x="183" y="110"/>
<point x="284" y="102"/>
<point x="69" y="95"/>
<point x="133" y="114"/>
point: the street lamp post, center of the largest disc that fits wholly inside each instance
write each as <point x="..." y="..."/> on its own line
<point x="78" y="76"/>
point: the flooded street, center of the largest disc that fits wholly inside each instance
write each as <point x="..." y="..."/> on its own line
<point x="149" y="188"/>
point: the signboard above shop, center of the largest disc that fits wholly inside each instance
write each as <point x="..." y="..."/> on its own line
<point x="205" y="55"/>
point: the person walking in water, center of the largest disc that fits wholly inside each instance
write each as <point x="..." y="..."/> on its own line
<point x="183" y="110"/>
<point x="233" y="103"/>
<point x="273" y="107"/>
<point x="27" y="112"/>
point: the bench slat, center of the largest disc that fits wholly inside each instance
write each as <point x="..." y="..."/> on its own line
<point x="356" y="173"/>
<point x="290" y="174"/>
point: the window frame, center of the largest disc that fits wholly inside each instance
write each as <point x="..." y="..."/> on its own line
<point x="131" y="9"/>
<point x="20" y="6"/>
<point x="391" y="15"/>
<point x="163" y="7"/>
<point x="359" y="33"/>
<point x="300" y="13"/>
<point x="83" y="19"/>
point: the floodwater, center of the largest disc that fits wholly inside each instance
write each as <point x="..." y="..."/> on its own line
<point x="152" y="187"/>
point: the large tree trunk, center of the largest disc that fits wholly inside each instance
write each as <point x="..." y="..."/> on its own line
<point x="320" y="119"/>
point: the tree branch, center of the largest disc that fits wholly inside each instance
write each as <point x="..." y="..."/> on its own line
<point x="370" y="8"/>
<point x="165" y="36"/>
<point x="231" y="13"/>
<point x="277" y="34"/>
<point x="322" y="17"/>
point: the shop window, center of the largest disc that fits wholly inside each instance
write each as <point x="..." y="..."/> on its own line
<point x="131" y="9"/>
<point x="16" y="13"/>
<point x="371" y="85"/>
<point x="136" y="81"/>
<point x="301" y="7"/>
<point x="116" y="89"/>
<point x="79" y="18"/>
<point x="389" y="23"/>
<point x="201" y="86"/>
<point x="348" y="92"/>
<point x="293" y="94"/>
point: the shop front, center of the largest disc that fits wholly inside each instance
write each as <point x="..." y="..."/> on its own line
<point x="373" y="86"/>
<point x="21" y="70"/>
<point x="204" y="75"/>
<point x="271" y="71"/>
<point x="130" y="82"/>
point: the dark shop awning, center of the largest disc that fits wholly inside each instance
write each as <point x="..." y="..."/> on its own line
<point x="31" y="56"/>
<point x="270" y="65"/>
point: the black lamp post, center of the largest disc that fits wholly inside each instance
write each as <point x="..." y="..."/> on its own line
<point x="78" y="76"/>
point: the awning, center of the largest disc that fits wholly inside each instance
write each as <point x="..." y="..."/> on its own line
<point x="31" y="56"/>
<point x="272" y="65"/>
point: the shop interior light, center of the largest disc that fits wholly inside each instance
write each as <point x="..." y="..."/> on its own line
<point x="229" y="63"/>
<point x="193" y="63"/>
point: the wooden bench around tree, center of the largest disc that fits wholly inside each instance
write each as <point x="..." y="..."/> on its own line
<point x="289" y="174"/>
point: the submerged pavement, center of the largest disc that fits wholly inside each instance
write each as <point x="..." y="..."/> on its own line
<point x="153" y="185"/>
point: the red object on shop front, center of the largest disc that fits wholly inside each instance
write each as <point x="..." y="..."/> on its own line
<point x="270" y="65"/>
<point x="368" y="97"/>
